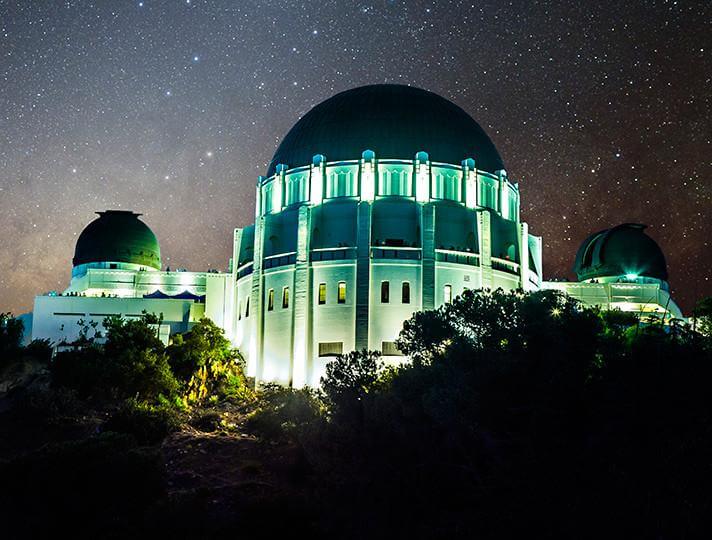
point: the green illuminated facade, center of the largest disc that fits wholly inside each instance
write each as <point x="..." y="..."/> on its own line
<point x="381" y="201"/>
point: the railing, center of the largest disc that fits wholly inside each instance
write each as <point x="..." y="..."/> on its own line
<point x="283" y="259"/>
<point x="396" y="252"/>
<point x="332" y="254"/>
<point x="504" y="265"/>
<point x="459" y="257"/>
<point x="245" y="270"/>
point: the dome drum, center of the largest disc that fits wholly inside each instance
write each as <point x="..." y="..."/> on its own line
<point x="374" y="179"/>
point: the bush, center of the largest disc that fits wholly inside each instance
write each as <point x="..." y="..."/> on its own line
<point x="285" y="413"/>
<point x="131" y="363"/>
<point x="207" y="365"/>
<point x="148" y="424"/>
<point x="102" y="487"/>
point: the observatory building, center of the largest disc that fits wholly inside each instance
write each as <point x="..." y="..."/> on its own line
<point x="381" y="201"/>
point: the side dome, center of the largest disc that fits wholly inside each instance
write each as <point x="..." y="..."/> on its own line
<point x="624" y="250"/>
<point x="118" y="236"/>
<point x="394" y="121"/>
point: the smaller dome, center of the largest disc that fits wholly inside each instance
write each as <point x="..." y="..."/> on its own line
<point x="624" y="250"/>
<point x="118" y="236"/>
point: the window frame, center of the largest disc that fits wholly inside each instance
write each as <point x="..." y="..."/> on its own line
<point x="385" y="292"/>
<point x="405" y="292"/>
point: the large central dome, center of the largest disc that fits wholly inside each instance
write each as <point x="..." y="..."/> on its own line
<point x="394" y="121"/>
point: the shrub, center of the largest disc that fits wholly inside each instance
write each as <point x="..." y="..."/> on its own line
<point x="284" y="413"/>
<point x="102" y="487"/>
<point x="210" y="369"/>
<point x="131" y="363"/>
<point x="148" y="424"/>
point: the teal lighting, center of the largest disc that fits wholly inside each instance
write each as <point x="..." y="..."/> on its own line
<point x="631" y="276"/>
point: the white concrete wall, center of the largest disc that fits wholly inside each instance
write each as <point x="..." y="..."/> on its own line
<point x="56" y="317"/>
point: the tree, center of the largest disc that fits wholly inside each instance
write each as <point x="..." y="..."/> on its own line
<point x="204" y="360"/>
<point x="703" y="316"/>
<point x="130" y="363"/>
<point x="349" y="377"/>
<point x="522" y="414"/>
<point x="11" y="331"/>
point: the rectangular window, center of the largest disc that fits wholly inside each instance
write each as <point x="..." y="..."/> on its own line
<point x="247" y="307"/>
<point x="447" y="294"/>
<point x="331" y="348"/>
<point x="239" y="310"/>
<point x="405" y="292"/>
<point x="385" y="292"/>
<point x="341" y="298"/>
<point x="322" y="293"/>
<point x="270" y="300"/>
<point x="285" y="297"/>
<point x="388" y="348"/>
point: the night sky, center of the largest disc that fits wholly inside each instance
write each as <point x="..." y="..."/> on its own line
<point x="601" y="110"/>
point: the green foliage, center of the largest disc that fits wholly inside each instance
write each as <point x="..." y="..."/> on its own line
<point x="349" y="378"/>
<point x="204" y="344"/>
<point x="148" y="424"/>
<point x="285" y="413"/>
<point x="519" y="411"/>
<point x="130" y="363"/>
<point x="208" y="365"/>
<point x="11" y="330"/>
<point x="703" y="316"/>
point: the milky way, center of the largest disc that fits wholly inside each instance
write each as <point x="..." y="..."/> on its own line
<point x="601" y="111"/>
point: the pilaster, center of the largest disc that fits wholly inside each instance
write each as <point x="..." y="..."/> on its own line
<point x="427" y="227"/>
<point x="363" y="273"/>
<point x="524" y="255"/>
<point x="485" y="236"/>
<point x="301" y="351"/>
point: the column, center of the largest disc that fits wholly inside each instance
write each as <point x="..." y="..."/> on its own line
<point x="363" y="273"/>
<point x="485" y="235"/>
<point x="427" y="228"/>
<point x="301" y="351"/>
<point x="469" y="173"/>
<point x="523" y="230"/>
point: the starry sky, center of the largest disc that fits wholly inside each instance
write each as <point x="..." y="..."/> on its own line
<point x="600" y="109"/>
